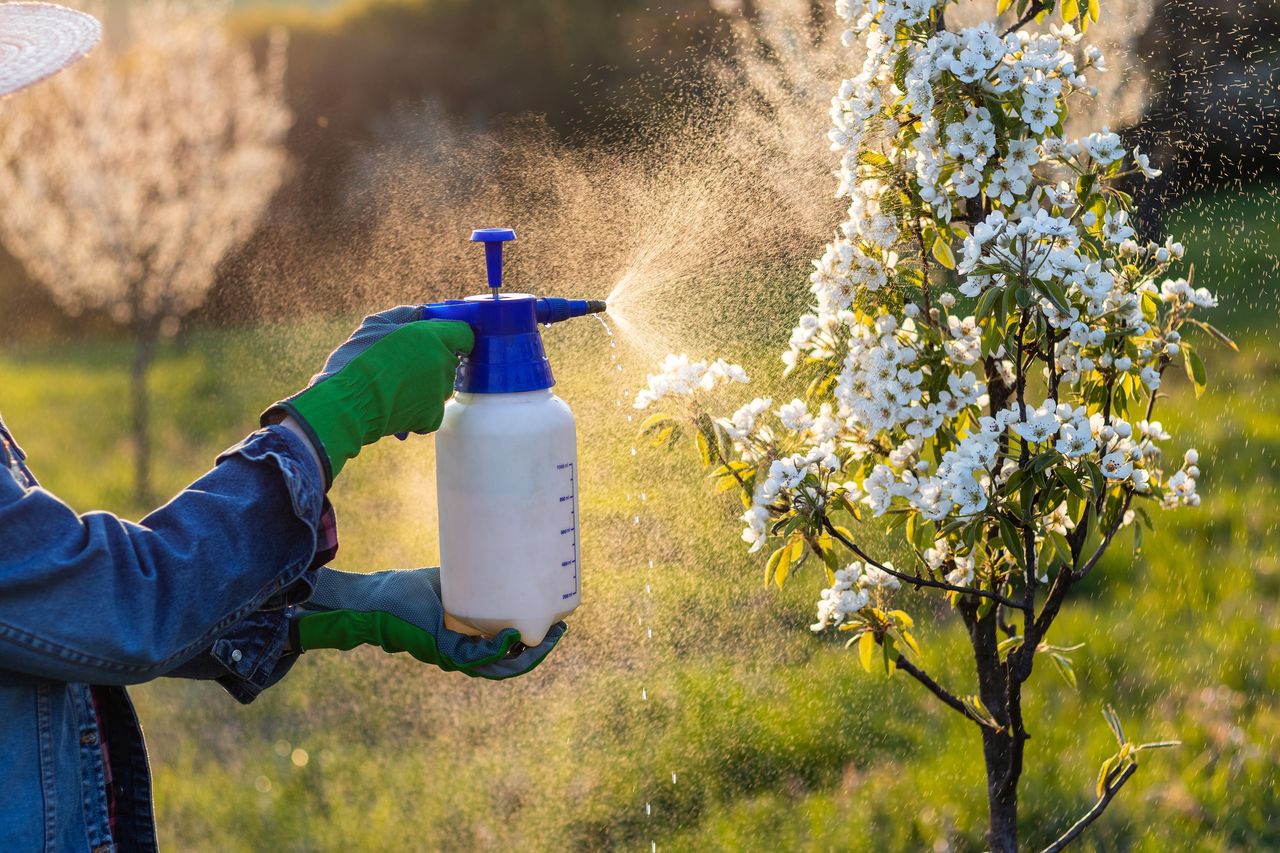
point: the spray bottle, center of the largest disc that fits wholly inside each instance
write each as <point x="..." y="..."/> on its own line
<point x="507" y="466"/>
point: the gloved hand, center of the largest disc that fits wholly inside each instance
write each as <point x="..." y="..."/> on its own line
<point x="393" y="375"/>
<point x="401" y="611"/>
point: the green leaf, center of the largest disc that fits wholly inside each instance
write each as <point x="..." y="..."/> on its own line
<point x="772" y="566"/>
<point x="866" y="649"/>
<point x="704" y="449"/>
<point x="725" y="484"/>
<point x="1056" y="294"/>
<point x="1107" y="767"/>
<point x="1070" y="10"/>
<point x="794" y="550"/>
<point x="1070" y="480"/>
<point x="1002" y="6"/>
<point x="1094" y="12"/>
<point x="1113" y="720"/>
<point x="1007" y="645"/>
<point x="1217" y="334"/>
<point x="986" y="302"/>
<point x="653" y="421"/>
<point x="942" y="251"/>
<point x="1009" y="535"/>
<point x="1062" y="663"/>
<point x="1195" y="370"/>
<point x="870" y="157"/>
<point x="1061" y="545"/>
<point x="663" y="435"/>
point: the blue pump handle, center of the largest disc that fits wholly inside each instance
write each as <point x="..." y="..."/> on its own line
<point x="493" y="238"/>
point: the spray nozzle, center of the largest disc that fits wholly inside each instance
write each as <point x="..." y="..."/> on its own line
<point x="493" y="238"/>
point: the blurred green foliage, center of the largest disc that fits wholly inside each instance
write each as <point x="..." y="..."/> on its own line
<point x="731" y="728"/>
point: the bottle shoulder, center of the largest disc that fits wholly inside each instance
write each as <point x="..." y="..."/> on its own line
<point x="499" y="413"/>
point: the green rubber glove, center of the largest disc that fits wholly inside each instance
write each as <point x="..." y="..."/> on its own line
<point x="401" y="611"/>
<point x="393" y="375"/>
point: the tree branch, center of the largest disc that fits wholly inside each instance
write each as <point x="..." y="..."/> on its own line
<point x="1037" y="6"/>
<point x="1108" y="794"/>
<point x="915" y="580"/>
<point x="947" y="697"/>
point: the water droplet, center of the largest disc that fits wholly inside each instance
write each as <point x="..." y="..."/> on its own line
<point x="648" y="809"/>
<point x="643" y="496"/>
<point x="651" y="564"/>
<point x="673" y="778"/>
<point x="644" y="695"/>
<point x="633" y="451"/>
<point x="648" y="590"/>
<point x="635" y="520"/>
<point x="650" y="630"/>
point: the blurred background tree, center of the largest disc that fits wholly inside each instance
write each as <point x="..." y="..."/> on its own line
<point x="129" y="178"/>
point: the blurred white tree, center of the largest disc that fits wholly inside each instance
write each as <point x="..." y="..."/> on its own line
<point x="127" y="179"/>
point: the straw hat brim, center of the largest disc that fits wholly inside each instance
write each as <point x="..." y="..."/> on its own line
<point x="39" y="39"/>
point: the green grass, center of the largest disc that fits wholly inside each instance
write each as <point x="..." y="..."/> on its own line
<point x="776" y="739"/>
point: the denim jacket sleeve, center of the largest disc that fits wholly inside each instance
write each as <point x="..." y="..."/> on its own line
<point x="97" y="599"/>
<point x="247" y="659"/>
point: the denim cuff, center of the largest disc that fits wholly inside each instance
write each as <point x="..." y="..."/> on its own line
<point x="253" y="657"/>
<point x="278" y="446"/>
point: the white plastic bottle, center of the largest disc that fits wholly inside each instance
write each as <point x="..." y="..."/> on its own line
<point x="507" y="487"/>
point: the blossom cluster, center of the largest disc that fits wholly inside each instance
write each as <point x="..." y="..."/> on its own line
<point x="679" y="376"/>
<point x="852" y="588"/>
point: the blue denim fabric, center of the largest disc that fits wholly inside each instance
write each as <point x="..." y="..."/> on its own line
<point x="195" y="590"/>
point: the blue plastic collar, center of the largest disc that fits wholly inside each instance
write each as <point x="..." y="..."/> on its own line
<point x="508" y="356"/>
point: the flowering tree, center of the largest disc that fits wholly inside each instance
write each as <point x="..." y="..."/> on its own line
<point x="979" y="372"/>
<point x="126" y="179"/>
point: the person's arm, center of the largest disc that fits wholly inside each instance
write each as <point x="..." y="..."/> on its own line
<point x="97" y="599"/>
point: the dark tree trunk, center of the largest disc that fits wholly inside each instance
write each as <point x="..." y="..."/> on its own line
<point x="997" y="745"/>
<point x="144" y="351"/>
<point x="1002" y="797"/>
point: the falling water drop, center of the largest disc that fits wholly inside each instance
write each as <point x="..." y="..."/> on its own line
<point x="644" y="695"/>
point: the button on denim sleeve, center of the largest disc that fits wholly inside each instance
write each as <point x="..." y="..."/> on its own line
<point x="96" y="599"/>
<point x="248" y="658"/>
